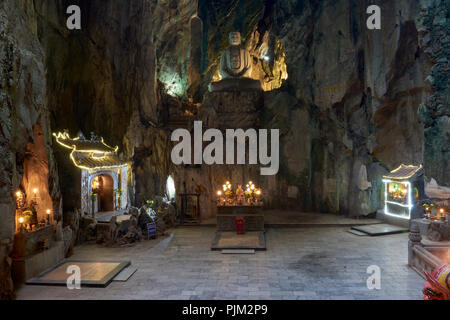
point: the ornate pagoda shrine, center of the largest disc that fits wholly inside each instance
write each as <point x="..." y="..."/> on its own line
<point x="104" y="186"/>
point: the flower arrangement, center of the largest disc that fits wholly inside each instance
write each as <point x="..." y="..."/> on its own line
<point x="27" y="215"/>
<point x="432" y="212"/>
<point x="228" y="196"/>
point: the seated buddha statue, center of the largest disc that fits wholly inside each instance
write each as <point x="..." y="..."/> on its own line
<point x="235" y="68"/>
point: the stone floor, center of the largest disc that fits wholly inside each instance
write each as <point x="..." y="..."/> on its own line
<point x="300" y="263"/>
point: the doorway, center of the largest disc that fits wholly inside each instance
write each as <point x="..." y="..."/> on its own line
<point x="103" y="185"/>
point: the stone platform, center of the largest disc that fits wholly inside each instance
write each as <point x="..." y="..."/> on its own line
<point x="231" y="109"/>
<point x="230" y="240"/>
<point x="253" y="218"/>
<point x="235" y="84"/>
<point x="28" y="267"/>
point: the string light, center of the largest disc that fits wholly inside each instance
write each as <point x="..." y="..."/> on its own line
<point x="402" y="166"/>
<point x="409" y="204"/>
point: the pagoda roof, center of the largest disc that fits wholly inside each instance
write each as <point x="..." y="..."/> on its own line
<point x="404" y="172"/>
<point x="92" y="162"/>
<point x="90" y="154"/>
<point x="84" y="145"/>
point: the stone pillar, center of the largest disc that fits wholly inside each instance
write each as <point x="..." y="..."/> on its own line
<point x="414" y="239"/>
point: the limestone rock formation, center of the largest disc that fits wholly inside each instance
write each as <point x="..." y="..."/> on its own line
<point x="342" y="96"/>
<point x="24" y="120"/>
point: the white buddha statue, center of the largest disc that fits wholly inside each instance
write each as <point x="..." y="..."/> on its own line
<point x="235" y="68"/>
<point x="235" y="61"/>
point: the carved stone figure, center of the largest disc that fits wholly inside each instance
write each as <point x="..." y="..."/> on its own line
<point x="235" y="68"/>
<point x="235" y="61"/>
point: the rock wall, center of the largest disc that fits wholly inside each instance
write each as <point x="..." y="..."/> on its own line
<point x="25" y="138"/>
<point x="348" y="109"/>
<point x="360" y="90"/>
<point x="345" y="98"/>
<point x="434" y="35"/>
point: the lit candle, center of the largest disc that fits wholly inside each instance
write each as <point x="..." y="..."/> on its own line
<point x="21" y="224"/>
<point x="35" y="191"/>
<point x="48" y="215"/>
<point x="442" y="213"/>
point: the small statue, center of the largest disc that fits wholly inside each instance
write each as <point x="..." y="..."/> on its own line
<point x="240" y="197"/>
<point x="235" y="61"/>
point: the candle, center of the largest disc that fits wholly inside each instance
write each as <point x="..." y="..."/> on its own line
<point x="21" y="224"/>
<point x="48" y="215"/>
<point x="19" y="200"/>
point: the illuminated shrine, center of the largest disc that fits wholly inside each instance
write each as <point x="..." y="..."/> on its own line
<point x="404" y="192"/>
<point x="103" y="174"/>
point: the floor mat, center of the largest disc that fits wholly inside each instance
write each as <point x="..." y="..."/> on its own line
<point x="231" y="240"/>
<point x="92" y="273"/>
<point x="125" y="274"/>
<point x="380" y="229"/>
<point x="238" y="251"/>
<point x="358" y="233"/>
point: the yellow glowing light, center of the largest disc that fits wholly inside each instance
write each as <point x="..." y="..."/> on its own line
<point x="252" y="186"/>
<point x="65" y="136"/>
<point x="441" y="210"/>
<point x="97" y="157"/>
<point x="219" y="193"/>
<point x="258" y="192"/>
<point x="250" y="182"/>
<point x="228" y="182"/>
<point x="49" y="211"/>
<point x="416" y="168"/>
<point x="21" y="219"/>
<point x="96" y="168"/>
<point x="35" y="190"/>
<point x="63" y="139"/>
<point x="18" y="194"/>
